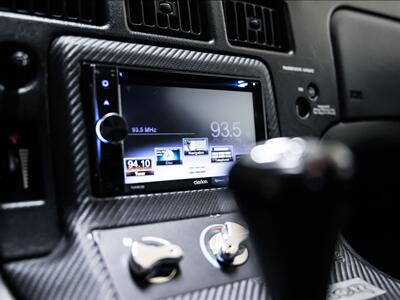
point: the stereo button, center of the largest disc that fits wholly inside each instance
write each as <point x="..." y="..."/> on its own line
<point x="313" y="91"/>
<point x="112" y="128"/>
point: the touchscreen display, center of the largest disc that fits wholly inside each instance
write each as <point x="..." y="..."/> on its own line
<point x="183" y="137"/>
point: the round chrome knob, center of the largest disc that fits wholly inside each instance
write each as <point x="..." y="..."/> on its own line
<point x="112" y="128"/>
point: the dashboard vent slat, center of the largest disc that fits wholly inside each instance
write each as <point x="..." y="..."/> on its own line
<point x="257" y="24"/>
<point x="83" y="11"/>
<point x="181" y="18"/>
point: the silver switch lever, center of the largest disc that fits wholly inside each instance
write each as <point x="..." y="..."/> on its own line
<point x="155" y="262"/>
<point x="233" y="235"/>
<point x="227" y="245"/>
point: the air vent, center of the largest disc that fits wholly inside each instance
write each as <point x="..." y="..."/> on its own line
<point x="180" y="18"/>
<point x="259" y="24"/>
<point x="83" y="11"/>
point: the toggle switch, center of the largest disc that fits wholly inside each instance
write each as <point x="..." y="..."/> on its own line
<point x="224" y="244"/>
<point x="154" y="260"/>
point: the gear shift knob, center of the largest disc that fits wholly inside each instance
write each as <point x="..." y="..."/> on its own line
<point x="292" y="194"/>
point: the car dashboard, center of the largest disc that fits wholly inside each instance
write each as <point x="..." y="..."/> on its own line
<point x="121" y="120"/>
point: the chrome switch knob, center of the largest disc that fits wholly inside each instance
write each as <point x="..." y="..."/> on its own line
<point x="227" y="245"/>
<point x="154" y="260"/>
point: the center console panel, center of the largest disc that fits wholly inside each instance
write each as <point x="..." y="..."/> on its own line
<point x="69" y="54"/>
<point x="83" y="260"/>
<point x="77" y="259"/>
<point x="196" y="269"/>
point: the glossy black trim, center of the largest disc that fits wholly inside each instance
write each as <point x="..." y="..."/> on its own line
<point x="107" y="159"/>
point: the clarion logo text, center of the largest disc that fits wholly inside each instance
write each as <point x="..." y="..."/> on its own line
<point x="200" y="182"/>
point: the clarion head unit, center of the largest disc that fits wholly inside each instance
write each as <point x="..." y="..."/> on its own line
<point x="157" y="131"/>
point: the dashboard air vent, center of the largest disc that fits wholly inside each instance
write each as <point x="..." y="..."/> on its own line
<point x="259" y="24"/>
<point x="83" y="11"/>
<point x="181" y="18"/>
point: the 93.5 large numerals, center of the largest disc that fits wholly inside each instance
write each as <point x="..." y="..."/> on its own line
<point x="225" y="129"/>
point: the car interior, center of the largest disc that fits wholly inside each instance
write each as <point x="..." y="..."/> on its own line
<point x="199" y="149"/>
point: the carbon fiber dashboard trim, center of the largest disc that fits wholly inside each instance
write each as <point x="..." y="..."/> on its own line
<point x="68" y="53"/>
<point x="249" y="289"/>
<point x="75" y="269"/>
<point x="350" y="265"/>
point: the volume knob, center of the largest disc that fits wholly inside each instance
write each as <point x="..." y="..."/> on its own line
<point x="112" y="128"/>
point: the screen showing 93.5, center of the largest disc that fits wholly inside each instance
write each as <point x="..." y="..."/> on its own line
<point x="181" y="133"/>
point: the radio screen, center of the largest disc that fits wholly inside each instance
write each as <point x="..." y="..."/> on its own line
<point x="184" y="137"/>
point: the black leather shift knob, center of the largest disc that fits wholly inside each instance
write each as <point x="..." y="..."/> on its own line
<point x="292" y="193"/>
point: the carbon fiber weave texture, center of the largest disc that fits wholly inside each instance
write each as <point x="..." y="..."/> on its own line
<point x="75" y="269"/>
<point x="349" y="265"/>
<point x="66" y="57"/>
<point x="249" y="289"/>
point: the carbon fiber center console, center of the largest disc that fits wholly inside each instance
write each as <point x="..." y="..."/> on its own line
<point x="197" y="268"/>
<point x="92" y="261"/>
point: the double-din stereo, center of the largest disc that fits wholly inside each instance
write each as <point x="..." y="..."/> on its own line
<point x="153" y="131"/>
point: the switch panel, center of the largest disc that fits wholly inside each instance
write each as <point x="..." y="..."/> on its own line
<point x="186" y="241"/>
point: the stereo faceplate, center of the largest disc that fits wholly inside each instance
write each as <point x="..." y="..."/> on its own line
<point x="154" y="131"/>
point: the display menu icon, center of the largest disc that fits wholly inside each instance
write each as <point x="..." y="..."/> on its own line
<point x="168" y="156"/>
<point x="221" y="154"/>
<point x="138" y="167"/>
<point x="195" y="146"/>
